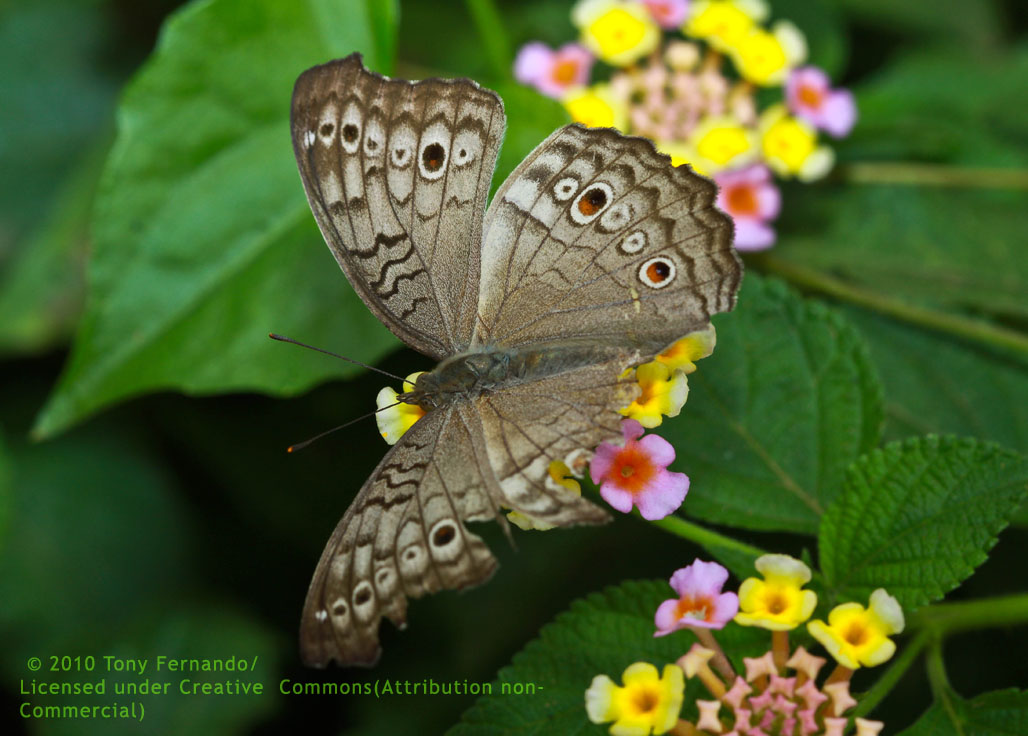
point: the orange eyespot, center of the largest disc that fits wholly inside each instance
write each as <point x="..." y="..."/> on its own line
<point x="658" y="272"/>
<point x="592" y="202"/>
<point x="433" y="156"/>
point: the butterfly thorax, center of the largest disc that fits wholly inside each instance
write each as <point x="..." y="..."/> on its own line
<point x="468" y="375"/>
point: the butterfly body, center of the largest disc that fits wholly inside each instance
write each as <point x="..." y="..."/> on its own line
<point x="594" y="255"/>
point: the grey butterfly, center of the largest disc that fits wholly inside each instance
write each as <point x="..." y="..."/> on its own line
<point x="594" y="255"/>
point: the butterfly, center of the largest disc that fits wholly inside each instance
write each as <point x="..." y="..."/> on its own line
<point x="594" y="255"/>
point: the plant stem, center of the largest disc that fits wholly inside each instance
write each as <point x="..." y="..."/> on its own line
<point x="939" y="682"/>
<point x="704" y="537"/>
<point x="947" y="618"/>
<point x="953" y="324"/>
<point x="937" y="175"/>
<point x="896" y="670"/>
<point x="490" y="29"/>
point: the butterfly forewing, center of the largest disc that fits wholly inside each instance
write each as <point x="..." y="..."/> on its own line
<point x="595" y="236"/>
<point x="397" y="175"/>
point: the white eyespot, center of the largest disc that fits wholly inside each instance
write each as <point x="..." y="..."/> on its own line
<point x="591" y="202"/>
<point x="467" y="147"/>
<point x="434" y="153"/>
<point x="326" y="130"/>
<point x="363" y="600"/>
<point x="340" y="609"/>
<point x="385" y="581"/>
<point x="402" y="143"/>
<point x="321" y="615"/>
<point x="657" y="272"/>
<point x="616" y="218"/>
<point x="350" y="129"/>
<point x="309" y="137"/>
<point x="374" y="138"/>
<point x="413" y="561"/>
<point x="445" y="540"/>
<point x="633" y="242"/>
<point x="565" y="189"/>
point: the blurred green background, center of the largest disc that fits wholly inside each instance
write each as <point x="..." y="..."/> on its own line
<point x="175" y="524"/>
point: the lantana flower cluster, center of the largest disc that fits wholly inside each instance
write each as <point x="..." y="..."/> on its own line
<point x="632" y="474"/>
<point x="781" y="692"/>
<point x="686" y="74"/>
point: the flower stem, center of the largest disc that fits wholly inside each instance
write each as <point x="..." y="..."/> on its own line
<point x="780" y="648"/>
<point x="935" y="175"/>
<point x="490" y="29"/>
<point x="947" y="618"/>
<point x="939" y="680"/>
<point x="719" y="660"/>
<point x="704" y="537"/>
<point x="953" y="324"/>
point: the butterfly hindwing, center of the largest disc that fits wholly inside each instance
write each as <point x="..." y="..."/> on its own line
<point x="595" y="236"/>
<point x="402" y="537"/>
<point x="397" y="174"/>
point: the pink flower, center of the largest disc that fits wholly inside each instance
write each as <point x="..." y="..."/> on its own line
<point x="700" y="603"/>
<point x="637" y="474"/>
<point x="752" y="199"/>
<point x="668" y="13"/>
<point x="553" y="72"/>
<point x="810" y="96"/>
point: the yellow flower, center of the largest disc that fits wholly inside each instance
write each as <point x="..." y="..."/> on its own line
<point x="394" y="421"/>
<point x="723" y="23"/>
<point x="560" y="477"/>
<point x="789" y="145"/>
<point x="857" y="636"/>
<point x="721" y="142"/>
<point x="618" y="32"/>
<point x="765" y="58"/>
<point x="777" y="602"/>
<point x="684" y="353"/>
<point x="596" y="107"/>
<point x="646" y="704"/>
<point x="664" y="392"/>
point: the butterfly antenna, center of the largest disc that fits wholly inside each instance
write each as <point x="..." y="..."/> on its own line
<point x="283" y="338"/>
<point x="312" y="440"/>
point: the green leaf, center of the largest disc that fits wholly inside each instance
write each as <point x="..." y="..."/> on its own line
<point x="935" y="385"/>
<point x="5" y="494"/>
<point x="775" y="416"/>
<point x="977" y="23"/>
<point x="43" y="287"/>
<point x="204" y="241"/>
<point x="917" y="517"/>
<point x="999" y="713"/>
<point x="600" y="634"/>
<point x="953" y="248"/>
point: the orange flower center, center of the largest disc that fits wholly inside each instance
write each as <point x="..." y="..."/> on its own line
<point x="856" y="634"/>
<point x="564" y="72"/>
<point x="645" y="699"/>
<point x="695" y="608"/>
<point x="776" y="603"/>
<point x="810" y="96"/>
<point x="633" y="469"/>
<point x="741" y="200"/>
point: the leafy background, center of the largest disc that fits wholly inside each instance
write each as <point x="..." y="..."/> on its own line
<point x="147" y="506"/>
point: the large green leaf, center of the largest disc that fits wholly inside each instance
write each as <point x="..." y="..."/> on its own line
<point x="939" y="385"/>
<point x="999" y="713"/>
<point x="204" y="241"/>
<point x="775" y="416"/>
<point x="600" y="634"/>
<point x="917" y="517"/>
<point x="955" y="248"/>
